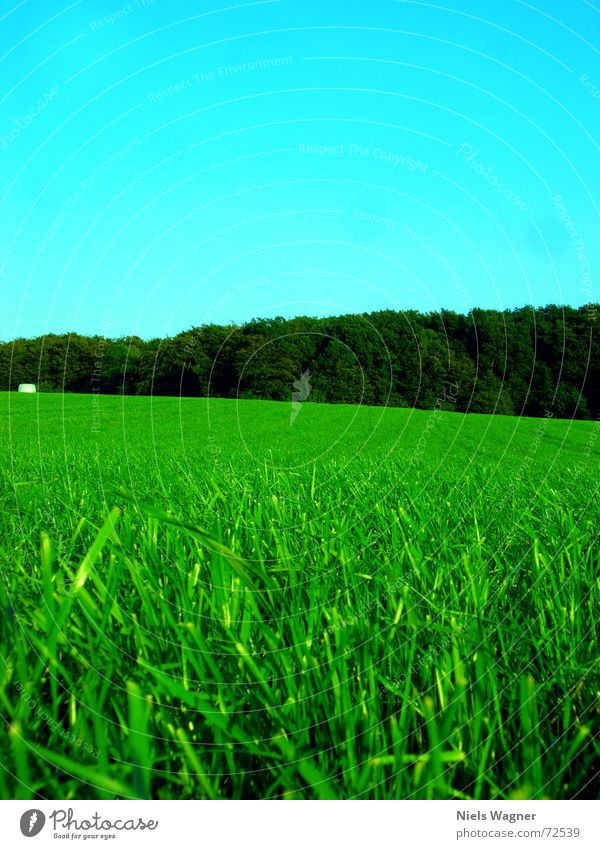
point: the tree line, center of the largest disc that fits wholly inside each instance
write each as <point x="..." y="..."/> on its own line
<point x="524" y="361"/>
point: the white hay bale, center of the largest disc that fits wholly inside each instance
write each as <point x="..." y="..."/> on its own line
<point x="26" y="387"/>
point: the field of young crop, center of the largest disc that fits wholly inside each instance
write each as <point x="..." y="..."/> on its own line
<point x="213" y="599"/>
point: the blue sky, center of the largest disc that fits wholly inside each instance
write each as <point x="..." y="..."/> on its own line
<point x="166" y="164"/>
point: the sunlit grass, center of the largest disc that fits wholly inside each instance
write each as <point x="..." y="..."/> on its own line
<point x="201" y="600"/>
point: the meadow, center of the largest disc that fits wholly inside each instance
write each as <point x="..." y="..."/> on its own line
<point x="218" y="599"/>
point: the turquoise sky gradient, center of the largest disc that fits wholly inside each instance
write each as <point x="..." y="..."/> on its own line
<point x="166" y="164"/>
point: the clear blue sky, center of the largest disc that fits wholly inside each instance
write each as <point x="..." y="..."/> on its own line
<point x="170" y="163"/>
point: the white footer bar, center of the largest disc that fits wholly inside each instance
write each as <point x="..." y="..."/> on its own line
<point x="287" y="825"/>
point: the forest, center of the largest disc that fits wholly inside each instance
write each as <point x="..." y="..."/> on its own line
<point x="526" y="361"/>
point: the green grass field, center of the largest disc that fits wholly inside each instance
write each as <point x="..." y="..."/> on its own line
<point x="204" y="600"/>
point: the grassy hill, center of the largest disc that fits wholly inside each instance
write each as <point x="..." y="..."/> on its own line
<point x="224" y="599"/>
